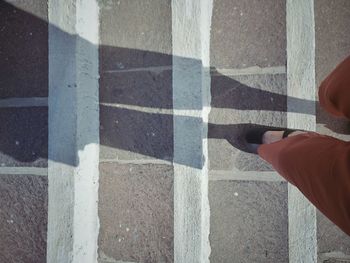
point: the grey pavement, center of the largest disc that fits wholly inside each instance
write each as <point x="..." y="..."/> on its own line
<point x="248" y="218"/>
<point x="250" y="33"/>
<point x="23" y="131"/>
<point x="136" y="212"/>
<point x="249" y="221"/>
<point x="136" y="201"/>
<point x="23" y="217"/>
<point x="24" y="49"/>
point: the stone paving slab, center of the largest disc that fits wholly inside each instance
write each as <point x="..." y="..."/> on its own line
<point x="142" y="89"/>
<point x="336" y="261"/>
<point x="332" y="126"/>
<point x="250" y="92"/>
<point x="330" y="237"/>
<point x="23" y="136"/>
<point x="332" y="20"/>
<point x="137" y="129"/>
<point x="129" y="134"/>
<point x="248" y="33"/>
<point x="249" y="221"/>
<point x="224" y="156"/>
<point x="23" y="218"/>
<point x="24" y="49"/>
<point x="135" y="34"/>
<point x="136" y="212"/>
<point x="237" y="102"/>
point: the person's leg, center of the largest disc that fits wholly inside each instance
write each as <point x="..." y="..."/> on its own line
<point x="334" y="92"/>
<point x="318" y="165"/>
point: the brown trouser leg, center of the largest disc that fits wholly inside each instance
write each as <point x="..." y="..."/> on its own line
<point x="319" y="165"/>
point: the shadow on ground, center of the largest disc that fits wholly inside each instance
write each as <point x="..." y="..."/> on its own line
<point x="135" y="105"/>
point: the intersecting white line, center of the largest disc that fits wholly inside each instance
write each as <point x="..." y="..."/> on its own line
<point x="23" y="171"/>
<point x="24" y="102"/>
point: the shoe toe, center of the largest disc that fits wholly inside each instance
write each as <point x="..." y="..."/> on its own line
<point x="252" y="148"/>
<point x="254" y="136"/>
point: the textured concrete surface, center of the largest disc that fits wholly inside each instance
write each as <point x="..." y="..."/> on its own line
<point x="332" y="19"/>
<point x="142" y="37"/>
<point x="330" y="237"/>
<point x="136" y="122"/>
<point x="74" y="131"/>
<point x="151" y="89"/>
<point x="23" y="140"/>
<point x="191" y="23"/>
<point x="136" y="212"/>
<point x="249" y="222"/>
<point x="132" y="124"/>
<point x="248" y="33"/>
<point x="250" y="92"/>
<point x="332" y="126"/>
<point x="224" y="156"/>
<point x="301" y="85"/>
<point x="131" y="134"/>
<point x="336" y="261"/>
<point x="24" y="48"/>
<point x="23" y="218"/>
<point x="236" y="102"/>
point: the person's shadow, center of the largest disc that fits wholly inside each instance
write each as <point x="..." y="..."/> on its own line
<point x="135" y="104"/>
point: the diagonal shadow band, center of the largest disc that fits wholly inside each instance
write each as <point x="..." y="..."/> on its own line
<point x="136" y="97"/>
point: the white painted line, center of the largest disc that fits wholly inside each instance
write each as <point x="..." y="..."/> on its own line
<point x="177" y="112"/>
<point x="86" y="221"/>
<point x="213" y="71"/>
<point x="152" y="69"/>
<point x="106" y="259"/>
<point x="225" y="116"/>
<point x="301" y="84"/>
<point x="24" y="102"/>
<point x="138" y="161"/>
<point x="73" y="131"/>
<point x="215" y="175"/>
<point x="249" y="71"/>
<point x="335" y="255"/>
<point x="23" y="171"/>
<point x="138" y="108"/>
<point x="61" y="122"/>
<point x="191" y="90"/>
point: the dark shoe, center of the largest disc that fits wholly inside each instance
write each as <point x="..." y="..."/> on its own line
<point x="254" y="136"/>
